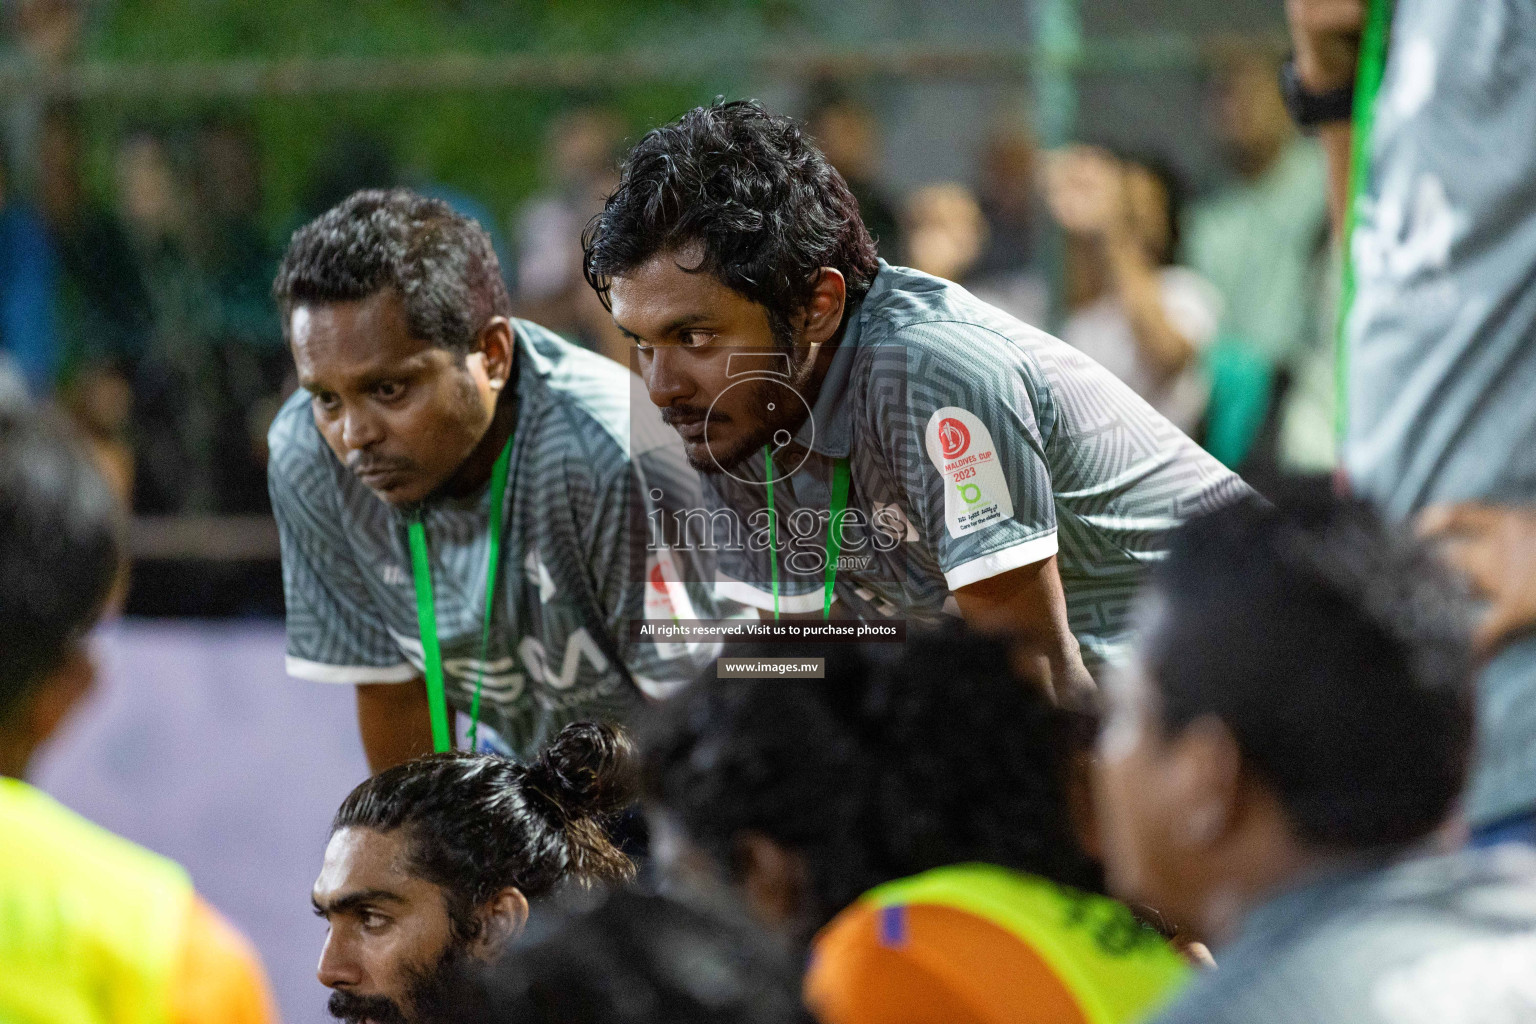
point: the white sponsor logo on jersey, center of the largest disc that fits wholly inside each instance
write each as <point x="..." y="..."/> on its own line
<point x="499" y="680"/>
<point x="538" y="575"/>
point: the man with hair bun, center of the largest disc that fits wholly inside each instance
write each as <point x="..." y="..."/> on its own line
<point x="435" y="863"/>
<point x="461" y="495"/>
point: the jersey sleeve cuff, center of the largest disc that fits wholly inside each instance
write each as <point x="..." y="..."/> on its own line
<point x="319" y="672"/>
<point x="745" y="593"/>
<point x="660" y="689"/>
<point x="1037" y="549"/>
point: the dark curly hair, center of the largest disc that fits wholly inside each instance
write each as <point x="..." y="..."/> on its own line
<point x="439" y="263"/>
<point x="765" y="205"/>
<point x="632" y="958"/>
<point x="892" y="765"/>
<point x="1335" y="649"/>
<point x="479" y="823"/>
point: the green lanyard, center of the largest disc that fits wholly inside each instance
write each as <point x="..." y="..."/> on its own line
<point x="431" y="652"/>
<point x="1374" y="43"/>
<point x="840" y="477"/>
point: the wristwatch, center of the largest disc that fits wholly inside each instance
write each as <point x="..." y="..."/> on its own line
<point x="1311" y="109"/>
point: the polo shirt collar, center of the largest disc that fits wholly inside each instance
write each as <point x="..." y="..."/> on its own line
<point x="533" y="361"/>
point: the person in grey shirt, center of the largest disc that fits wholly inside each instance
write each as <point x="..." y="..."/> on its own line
<point x="419" y="394"/>
<point x="1279" y="762"/>
<point x="1441" y="335"/>
<point x="975" y="466"/>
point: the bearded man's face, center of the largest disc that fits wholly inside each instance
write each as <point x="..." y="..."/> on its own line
<point x="391" y="943"/>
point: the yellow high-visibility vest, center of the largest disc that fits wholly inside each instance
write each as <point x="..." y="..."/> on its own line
<point x="982" y="943"/>
<point x="91" y="926"/>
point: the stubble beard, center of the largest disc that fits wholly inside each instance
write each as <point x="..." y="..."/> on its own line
<point x="791" y="417"/>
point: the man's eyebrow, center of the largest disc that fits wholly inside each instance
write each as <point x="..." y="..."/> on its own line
<point x="672" y="328"/>
<point x="353" y="900"/>
<point x="370" y="376"/>
<point x="684" y="321"/>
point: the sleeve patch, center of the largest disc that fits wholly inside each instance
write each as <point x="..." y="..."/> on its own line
<point x="975" y="492"/>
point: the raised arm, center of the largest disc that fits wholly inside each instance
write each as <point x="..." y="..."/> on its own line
<point x="1325" y="35"/>
<point x="1090" y="193"/>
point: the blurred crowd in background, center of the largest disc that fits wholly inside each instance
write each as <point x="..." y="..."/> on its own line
<point x="1169" y="221"/>
<point x="137" y="249"/>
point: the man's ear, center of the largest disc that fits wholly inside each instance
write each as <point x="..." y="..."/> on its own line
<point x="495" y="346"/>
<point x="773" y="878"/>
<point x="1206" y="776"/>
<point x="823" y="315"/>
<point x="503" y="918"/>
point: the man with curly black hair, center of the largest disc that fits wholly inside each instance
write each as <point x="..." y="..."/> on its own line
<point x="973" y="464"/>
<point x="632" y="957"/>
<point x="461" y="495"/>
<point x="1279" y="764"/>
<point x="923" y="814"/>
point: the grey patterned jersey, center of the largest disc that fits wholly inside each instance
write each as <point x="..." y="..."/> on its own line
<point x="1442" y="334"/>
<point x="976" y="445"/>
<point x="1442" y="940"/>
<point x="575" y="568"/>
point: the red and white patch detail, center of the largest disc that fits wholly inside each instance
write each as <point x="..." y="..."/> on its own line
<point x="666" y="598"/>
<point x="665" y="595"/>
<point x="975" y="491"/>
<point x="954" y="438"/>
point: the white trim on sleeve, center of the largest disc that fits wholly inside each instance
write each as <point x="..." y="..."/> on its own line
<point x="1036" y="549"/>
<point x="659" y="689"/>
<point x="319" y="672"/>
<point x="745" y="593"/>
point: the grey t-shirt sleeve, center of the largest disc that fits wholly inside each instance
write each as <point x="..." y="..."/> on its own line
<point x="966" y="444"/>
<point x="335" y="633"/>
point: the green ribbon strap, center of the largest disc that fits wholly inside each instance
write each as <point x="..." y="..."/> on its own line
<point x="1374" y="43"/>
<point x="841" y="476"/>
<point x="773" y="533"/>
<point x="426" y="617"/>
